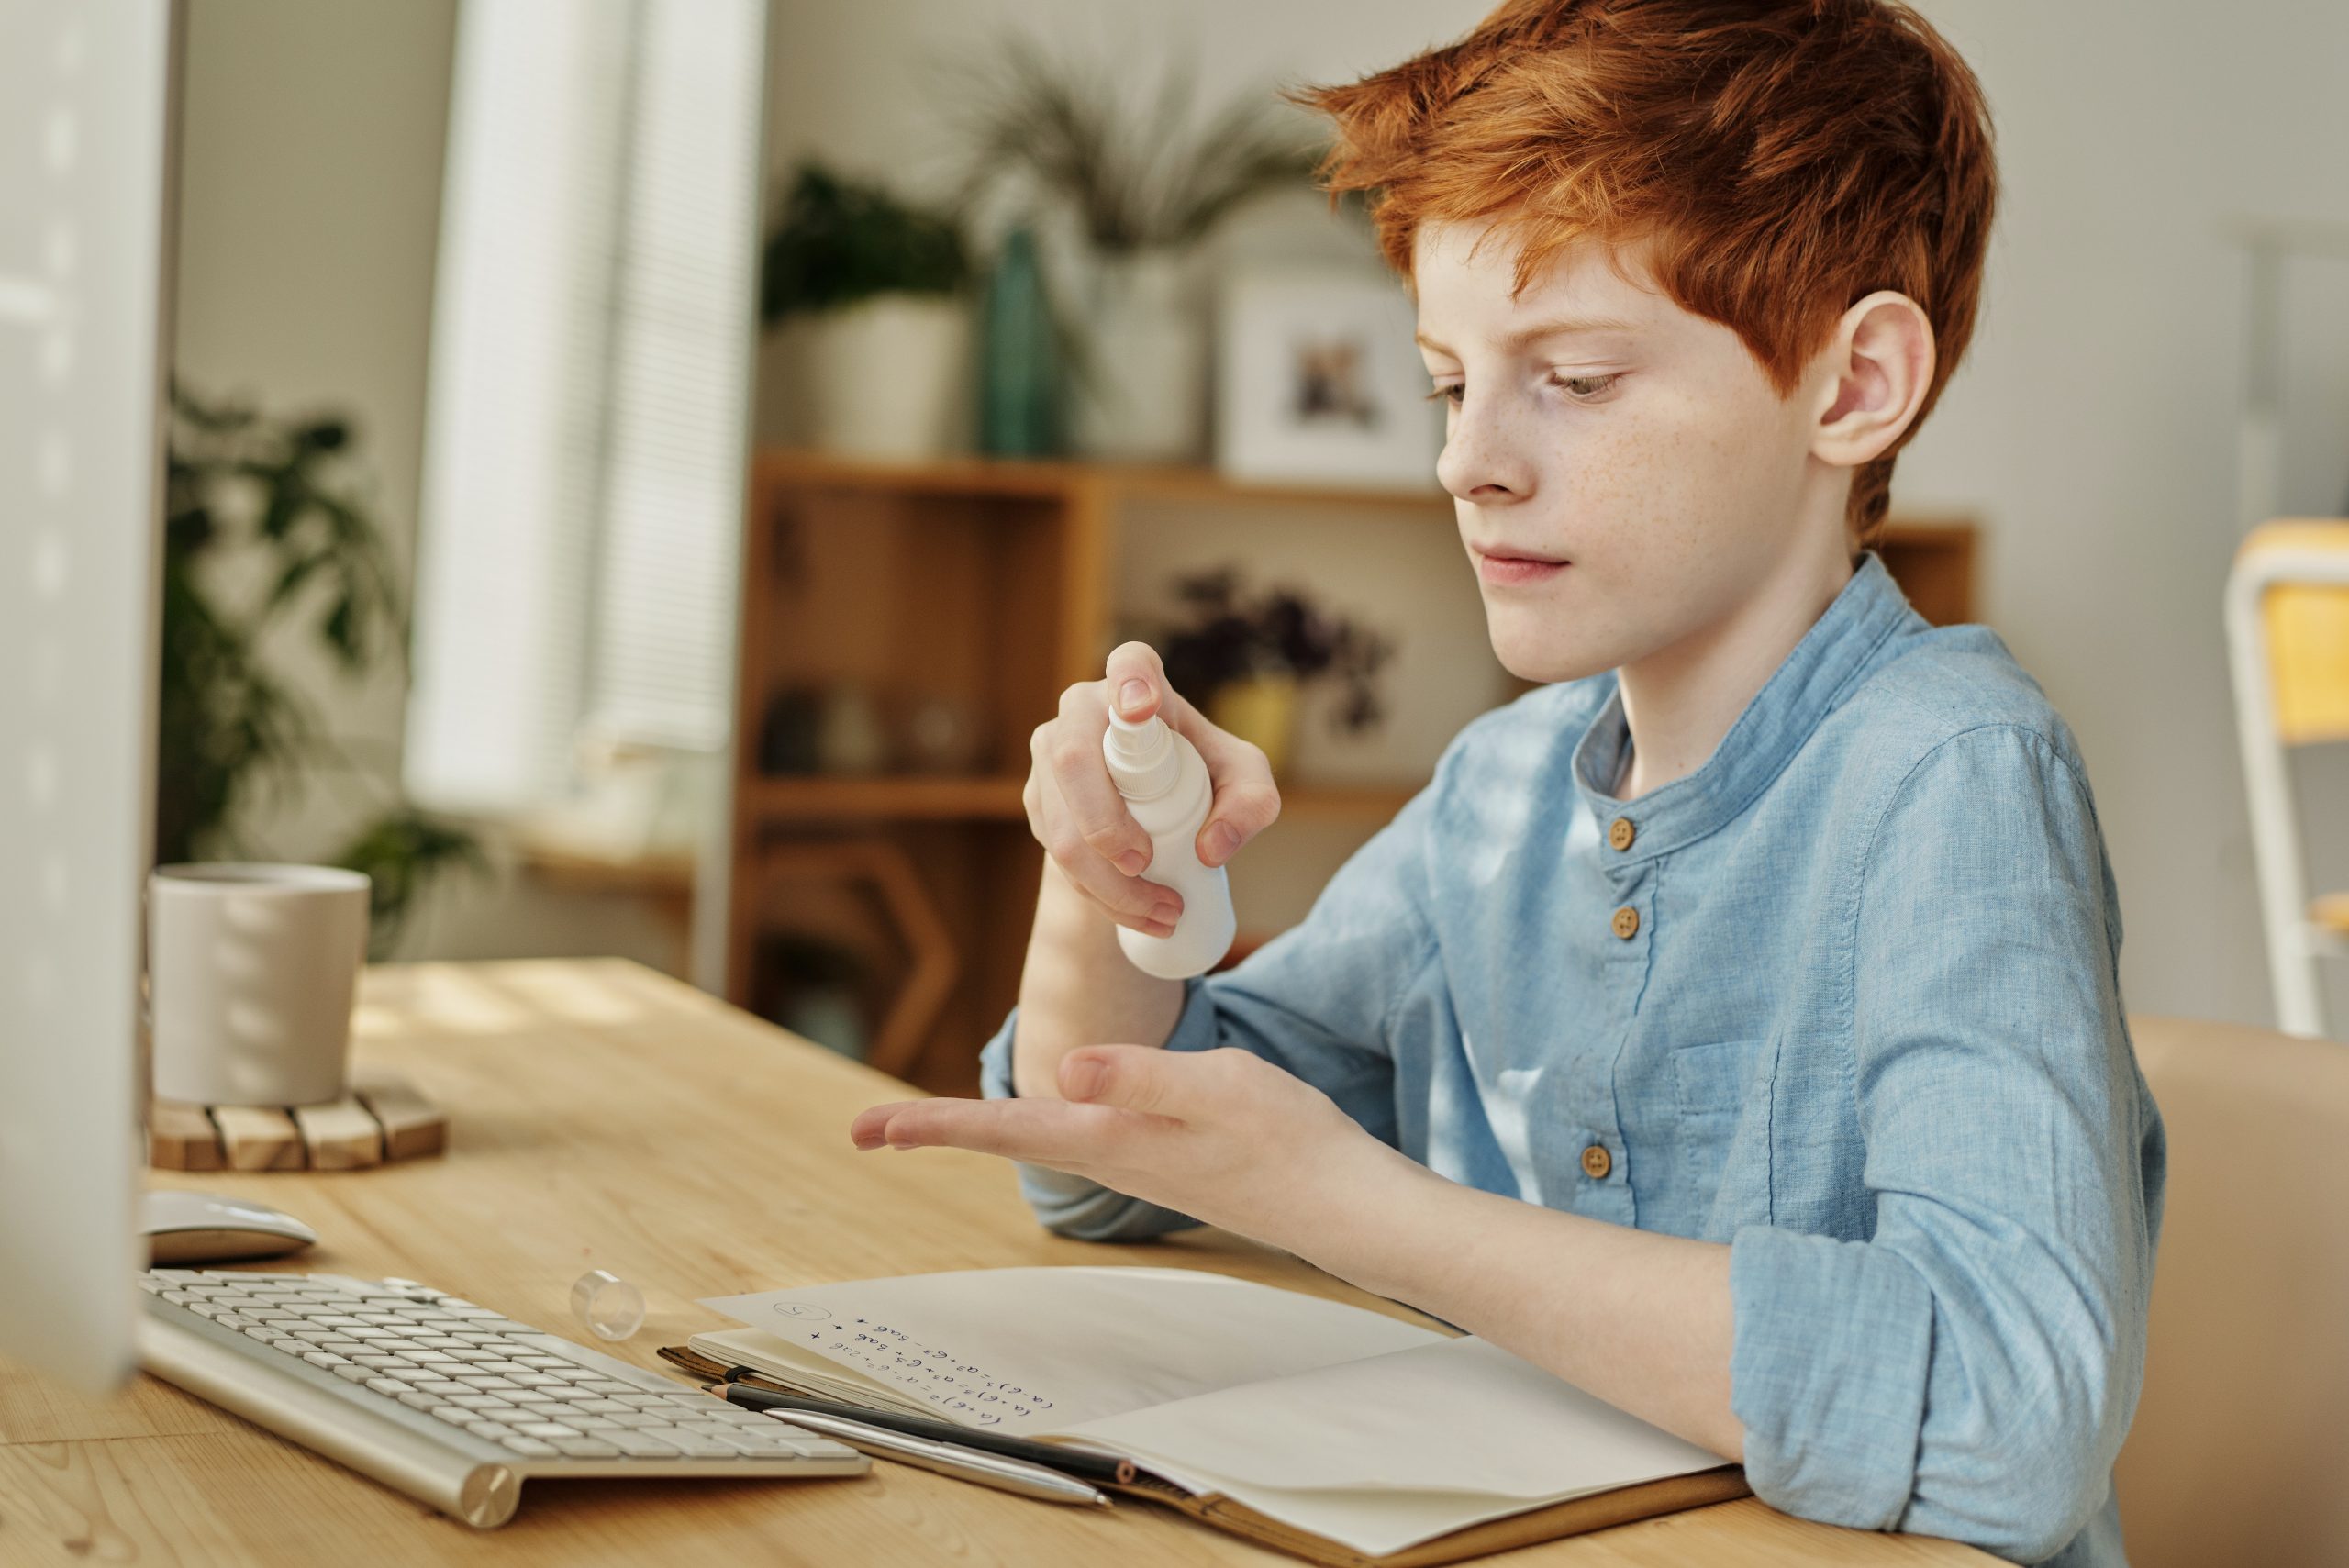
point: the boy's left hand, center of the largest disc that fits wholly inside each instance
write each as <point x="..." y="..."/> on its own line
<point x="1223" y="1136"/>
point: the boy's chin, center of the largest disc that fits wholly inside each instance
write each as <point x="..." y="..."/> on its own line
<point x="1546" y="659"/>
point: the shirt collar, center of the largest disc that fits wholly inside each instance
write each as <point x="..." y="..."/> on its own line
<point x="1804" y="688"/>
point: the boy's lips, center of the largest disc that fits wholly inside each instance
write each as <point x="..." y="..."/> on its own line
<point x="1507" y="563"/>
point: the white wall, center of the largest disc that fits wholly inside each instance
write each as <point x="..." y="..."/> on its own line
<point x="2091" y="430"/>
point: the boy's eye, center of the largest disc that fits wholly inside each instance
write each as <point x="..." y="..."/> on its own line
<point x="1586" y="387"/>
<point x="1581" y="388"/>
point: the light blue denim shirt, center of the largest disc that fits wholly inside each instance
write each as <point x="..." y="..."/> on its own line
<point x="1845" y="999"/>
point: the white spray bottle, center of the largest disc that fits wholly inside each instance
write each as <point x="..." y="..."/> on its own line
<point x="1165" y="786"/>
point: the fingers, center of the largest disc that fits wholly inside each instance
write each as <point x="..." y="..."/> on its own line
<point x="1131" y="901"/>
<point x="1070" y="748"/>
<point x="1038" y="1132"/>
<point x="1136" y="685"/>
<point x="1181" y="1085"/>
<point x="1246" y="800"/>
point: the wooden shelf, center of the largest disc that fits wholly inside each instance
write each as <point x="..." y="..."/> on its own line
<point x="889" y="798"/>
<point x="1043" y="480"/>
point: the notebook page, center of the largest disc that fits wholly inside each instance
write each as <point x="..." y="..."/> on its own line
<point x="1037" y="1349"/>
<point x="786" y="1364"/>
<point x="1384" y="1452"/>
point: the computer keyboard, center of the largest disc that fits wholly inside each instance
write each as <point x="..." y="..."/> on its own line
<point x="445" y="1400"/>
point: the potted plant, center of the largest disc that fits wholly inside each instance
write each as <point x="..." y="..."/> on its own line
<point x="877" y="289"/>
<point x="1246" y="656"/>
<point x="1142" y="188"/>
<point x="267" y="544"/>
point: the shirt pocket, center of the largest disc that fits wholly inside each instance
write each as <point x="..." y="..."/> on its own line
<point x="1713" y="1085"/>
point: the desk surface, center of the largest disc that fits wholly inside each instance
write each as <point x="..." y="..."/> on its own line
<point x="602" y="1115"/>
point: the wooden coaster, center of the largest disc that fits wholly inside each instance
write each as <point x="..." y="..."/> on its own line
<point x="381" y="1119"/>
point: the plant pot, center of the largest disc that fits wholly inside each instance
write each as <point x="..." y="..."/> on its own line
<point x="1261" y="709"/>
<point x="1140" y="394"/>
<point x="888" y="377"/>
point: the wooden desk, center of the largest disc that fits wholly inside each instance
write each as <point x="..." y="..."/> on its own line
<point x="603" y="1115"/>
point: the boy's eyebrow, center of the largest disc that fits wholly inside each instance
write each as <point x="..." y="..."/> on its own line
<point x="1557" y="327"/>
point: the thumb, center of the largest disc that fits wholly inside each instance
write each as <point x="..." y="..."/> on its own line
<point x="1144" y="1078"/>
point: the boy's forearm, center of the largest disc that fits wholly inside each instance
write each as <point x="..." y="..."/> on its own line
<point x="1640" y="1320"/>
<point x="1078" y="989"/>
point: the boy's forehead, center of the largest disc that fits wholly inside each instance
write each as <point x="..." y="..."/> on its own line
<point x="1462" y="274"/>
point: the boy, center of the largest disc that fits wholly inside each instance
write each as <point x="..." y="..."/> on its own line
<point x="1732" y="1026"/>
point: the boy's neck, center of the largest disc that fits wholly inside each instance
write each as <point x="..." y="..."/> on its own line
<point x="1680" y="700"/>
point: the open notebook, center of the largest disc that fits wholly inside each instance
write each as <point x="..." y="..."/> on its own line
<point x="1330" y="1431"/>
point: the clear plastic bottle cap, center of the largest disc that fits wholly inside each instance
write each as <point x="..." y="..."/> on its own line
<point x="609" y="1307"/>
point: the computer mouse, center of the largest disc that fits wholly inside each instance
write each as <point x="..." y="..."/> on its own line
<point x="196" y="1227"/>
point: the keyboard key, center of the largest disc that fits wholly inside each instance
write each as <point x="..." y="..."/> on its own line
<point x="534" y="1380"/>
<point x="699" y="1444"/>
<point x="416" y="1401"/>
<point x="529" y="1448"/>
<point x="441" y="1385"/>
<point x="495" y="1431"/>
<point x="455" y="1415"/>
<point x="585" y="1448"/>
<point x="548" y="1429"/>
<point x="351" y="1372"/>
<point x="642" y="1445"/>
<point x="326" y="1358"/>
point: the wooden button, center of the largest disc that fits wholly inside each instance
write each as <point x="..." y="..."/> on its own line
<point x="1596" y="1162"/>
<point x="1620" y="832"/>
<point x="1627" y="922"/>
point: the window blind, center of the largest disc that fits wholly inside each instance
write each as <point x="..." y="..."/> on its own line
<point x="589" y="390"/>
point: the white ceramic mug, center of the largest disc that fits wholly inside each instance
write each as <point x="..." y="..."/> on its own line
<point x="251" y="969"/>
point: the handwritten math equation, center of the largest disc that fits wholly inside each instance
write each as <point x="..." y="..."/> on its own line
<point x="962" y="1390"/>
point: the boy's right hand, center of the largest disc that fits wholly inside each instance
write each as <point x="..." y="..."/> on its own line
<point x="1076" y="813"/>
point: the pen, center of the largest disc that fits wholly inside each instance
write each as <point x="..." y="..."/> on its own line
<point x="1014" y="1475"/>
<point x="1068" y="1461"/>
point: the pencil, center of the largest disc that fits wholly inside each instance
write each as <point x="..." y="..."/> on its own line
<point x="1068" y="1461"/>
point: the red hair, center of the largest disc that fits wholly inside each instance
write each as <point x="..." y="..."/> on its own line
<point x="1785" y="158"/>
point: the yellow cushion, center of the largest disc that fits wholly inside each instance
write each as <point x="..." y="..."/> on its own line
<point x="2308" y="637"/>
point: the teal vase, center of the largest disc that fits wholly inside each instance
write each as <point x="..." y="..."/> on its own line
<point x="1019" y="361"/>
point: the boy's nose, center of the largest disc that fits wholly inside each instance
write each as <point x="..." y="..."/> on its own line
<point x="1480" y="463"/>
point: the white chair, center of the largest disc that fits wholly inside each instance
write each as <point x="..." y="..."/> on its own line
<point x="2288" y="643"/>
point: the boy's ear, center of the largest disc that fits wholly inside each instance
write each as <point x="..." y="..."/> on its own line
<point x="1874" y="372"/>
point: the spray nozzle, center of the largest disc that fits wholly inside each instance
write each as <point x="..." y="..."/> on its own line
<point x="1142" y="756"/>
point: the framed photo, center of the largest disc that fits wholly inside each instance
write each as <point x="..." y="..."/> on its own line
<point x="1318" y="381"/>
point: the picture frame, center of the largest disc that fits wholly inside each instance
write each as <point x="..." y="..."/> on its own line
<point x="1318" y="381"/>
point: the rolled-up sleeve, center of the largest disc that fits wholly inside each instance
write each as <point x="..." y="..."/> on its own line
<point x="1315" y="1000"/>
<point x="1969" y="1369"/>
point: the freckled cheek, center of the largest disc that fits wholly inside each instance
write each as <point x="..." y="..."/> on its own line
<point x="1627" y="487"/>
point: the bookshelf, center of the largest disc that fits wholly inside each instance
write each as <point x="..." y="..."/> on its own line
<point x="991" y="584"/>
